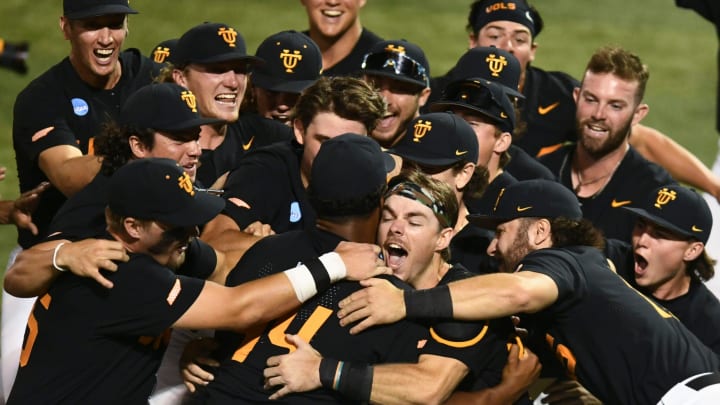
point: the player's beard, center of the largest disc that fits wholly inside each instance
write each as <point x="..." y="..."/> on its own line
<point x="520" y="248"/>
<point x="599" y="148"/>
<point x="173" y="244"/>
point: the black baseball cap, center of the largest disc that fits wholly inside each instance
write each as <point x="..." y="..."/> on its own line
<point x="76" y="9"/>
<point x="438" y="139"/>
<point x="679" y="209"/>
<point x="292" y="62"/>
<point x="483" y="96"/>
<point x="158" y="189"/>
<point x="212" y="43"/>
<point x="348" y="167"/>
<point x="537" y="198"/>
<point x="163" y="107"/>
<point x="399" y="60"/>
<point x="164" y="51"/>
<point x="490" y="63"/>
<point x="518" y="11"/>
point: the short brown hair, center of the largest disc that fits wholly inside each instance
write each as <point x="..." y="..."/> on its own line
<point x="347" y="97"/>
<point x="620" y="63"/>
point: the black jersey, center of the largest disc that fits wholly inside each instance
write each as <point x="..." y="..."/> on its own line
<point x="239" y="379"/>
<point x="480" y="345"/>
<point x="267" y="187"/>
<point x="59" y="101"/>
<point x="248" y="133"/>
<point x="350" y="65"/>
<point x="698" y="309"/>
<point x="86" y="344"/>
<point x="634" y="179"/>
<point x="618" y="343"/>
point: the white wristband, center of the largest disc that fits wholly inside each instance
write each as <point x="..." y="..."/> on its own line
<point x="54" y="260"/>
<point x="302" y="282"/>
<point x="334" y="265"/>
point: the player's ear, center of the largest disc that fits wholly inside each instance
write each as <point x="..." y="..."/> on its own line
<point x="540" y="232"/>
<point x="65" y="27"/>
<point x="133" y="227"/>
<point x="444" y="239"/>
<point x="139" y="150"/>
<point x="693" y="251"/>
<point x="299" y="131"/>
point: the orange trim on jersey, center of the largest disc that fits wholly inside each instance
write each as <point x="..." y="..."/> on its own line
<point x="463" y="344"/>
<point x="548" y="149"/>
<point x="41" y="134"/>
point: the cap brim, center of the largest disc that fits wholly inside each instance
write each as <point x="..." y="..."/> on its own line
<point x="391" y="75"/>
<point x="388" y="161"/>
<point x="194" y="123"/>
<point x="204" y="208"/>
<point x="101" y="10"/>
<point x="280" y="86"/>
<point x="486" y="221"/>
<point x="658" y="221"/>
<point x="426" y="160"/>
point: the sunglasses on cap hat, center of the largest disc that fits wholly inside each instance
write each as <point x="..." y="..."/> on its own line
<point x="399" y="63"/>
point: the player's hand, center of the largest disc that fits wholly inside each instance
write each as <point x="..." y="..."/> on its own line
<point x="568" y="393"/>
<point x="25" y="205"/>
<point x="196" y="355"/>
<point x="259" y="229"/>
<point x="86" y="257"/>
<point x="298" y="371"/>
<point x="521" y="369"/>
<point x="362" y="260"/>
<point x="3" y="170"/>
<point x="378" y="303"/>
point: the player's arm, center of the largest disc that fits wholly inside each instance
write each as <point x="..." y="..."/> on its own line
<point x="480" y="297"/>
<point x="269" y="297"/>
<point x="223" y="234"/>
<point x="36" y="268"/>
<point x="521" y="371"/>
<point x="429" y="381"/>
<point x="19" y="211"/>
<point x="67" y="168"/>
<point x="684" y="166"/>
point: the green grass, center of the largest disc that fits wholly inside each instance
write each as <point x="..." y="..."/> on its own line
<point x="679" y="47"/>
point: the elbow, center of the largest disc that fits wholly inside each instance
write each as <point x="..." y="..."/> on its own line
<point x="14" y="286"/>
<point x="522" y="300"/>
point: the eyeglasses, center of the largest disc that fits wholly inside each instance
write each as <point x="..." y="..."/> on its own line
<point x="396" y="62"/>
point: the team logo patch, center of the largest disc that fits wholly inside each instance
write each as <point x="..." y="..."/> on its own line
<point x="186" y="184"/>
<point x="393" y="48"/>
<point x="290" y="59"/>
<point x="664" y="196"/>
<point x="229" y="35"/>
<point x="421" y="129"/>
<point x="189" y="98"/>
<point x="295" y="214"/>
<point x="161" y="53"/>
<point x="496" y="64"/>
<point x="500" y="6"/>
<point x="80" y="107"/>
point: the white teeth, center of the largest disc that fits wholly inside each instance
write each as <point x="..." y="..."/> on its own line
<point x="332" y="13"/>
<point x="103" y="52"/>
<point x="394" y="246"/>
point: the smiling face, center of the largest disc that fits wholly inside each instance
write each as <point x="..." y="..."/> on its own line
<point x="661" y="256"/>
<point x="411" y="239"/>
<point x="167" y="245"/>
<point x="181" y="147"/>
<point x="332" y="18"/>
<point x="275" y="105"/>
<point x="218" y="87"/>
<point x="95" y="45"/>
<point x="403" y="103"/>
<point x="606" y="110"/>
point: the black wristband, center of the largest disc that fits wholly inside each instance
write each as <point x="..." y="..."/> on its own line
<point x="319" y="274"/>
<point x="355" y="381"/>
<point x="431" y="303"/>
<point x="328" y="368"/>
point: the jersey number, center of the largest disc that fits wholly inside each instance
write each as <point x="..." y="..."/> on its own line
<point x="277" y="334"/>
<point x="32" y="330"/>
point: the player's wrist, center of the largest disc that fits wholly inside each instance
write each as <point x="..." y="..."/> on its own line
<point x="353" y="381"/>
<point x="430" y="303"/>
<point x="55" y="261"/>
<point x="316" y="275"/>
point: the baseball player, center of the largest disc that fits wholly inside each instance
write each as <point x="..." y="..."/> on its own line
<point x="292" y="63"/>
<point x="602" y="168"/>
